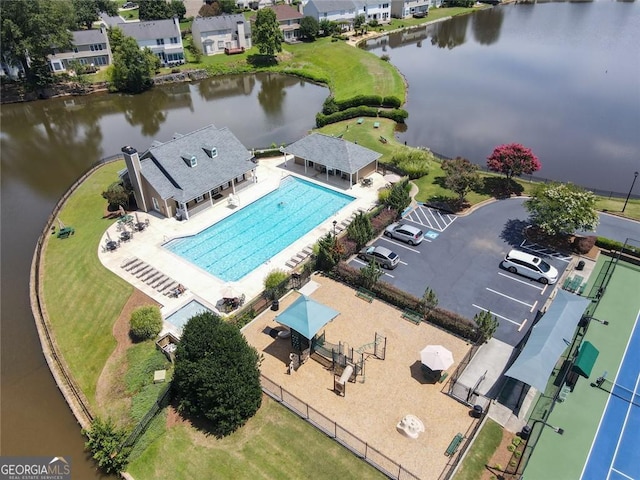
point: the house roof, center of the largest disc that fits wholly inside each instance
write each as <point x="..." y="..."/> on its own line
<point x="327" y="6"/>
<point x="286" y="12"/>
<point x="222" y="22"/>
<point x="166" y="166"/>
<point x="333" y="152"/>
<point x="89" y="37"/>
<point x="151" y="30"/>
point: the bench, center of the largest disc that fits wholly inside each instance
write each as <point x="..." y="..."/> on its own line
<point x="365" y="294"/>
<point x="383" y="139"/>
<point x="65" y="232"/>
<point x="412" y="316"/>
<point x="376" y="124"/>
<point x="454" y="445"/>
<point x="360" y="120"/>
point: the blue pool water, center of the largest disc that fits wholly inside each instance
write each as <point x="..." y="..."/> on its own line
<point x="241" y="242"/>
<point x="180" y="317"/>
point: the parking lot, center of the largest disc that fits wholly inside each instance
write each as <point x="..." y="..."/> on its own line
<point x="460" y="259"/>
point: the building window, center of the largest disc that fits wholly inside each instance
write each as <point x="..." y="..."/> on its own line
<point x="75" y="49"/>
<point x="174" y="39"/>
<point x="193" y="161"/>
<point x="385" y="5"/>
<point x="199" y="198"/>
<point x="156" y="206"/>
<point x="220" y="44"/>
<point x="160" y="41"/>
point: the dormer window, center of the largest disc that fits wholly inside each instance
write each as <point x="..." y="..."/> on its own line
<point x="190" y="160"/>
<point x="211" y="151"/>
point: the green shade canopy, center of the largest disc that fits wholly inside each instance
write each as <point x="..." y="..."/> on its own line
<point x="549" y="338"/>
<point x="586" y="359"/>
<point x="306" y="316"/>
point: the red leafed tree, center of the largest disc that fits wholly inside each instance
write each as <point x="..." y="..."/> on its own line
<point x="513" y="160"/>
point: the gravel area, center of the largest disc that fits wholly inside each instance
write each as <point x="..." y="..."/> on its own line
<point x="390" y="389"/>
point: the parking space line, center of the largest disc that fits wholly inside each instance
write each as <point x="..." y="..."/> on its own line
<point x="528" y="284"/>
<point x="499" y="316"/>
<point x="533" y="307"/>
<point x="404" y="263"/>
<point x="357" y="260"/>
<point x="544" y="289"/>
<point x="522" y="325"/>
<point x="540" y="250"/>
<point x="431" y="213"/>
<point x="507" y="296"/>
<point x="399" y="244"/>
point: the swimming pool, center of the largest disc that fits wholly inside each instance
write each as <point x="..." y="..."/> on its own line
<point x="180" y="317"/>
<point x="236" y="245"/>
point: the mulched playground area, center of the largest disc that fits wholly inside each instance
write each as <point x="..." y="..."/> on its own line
<point x="389" y="390"/>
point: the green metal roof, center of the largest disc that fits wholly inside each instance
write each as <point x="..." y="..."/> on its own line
<point x="586" y="359"/>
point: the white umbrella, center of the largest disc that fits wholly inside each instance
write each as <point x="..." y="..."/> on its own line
<point x="436" y="357"/>
<point x="392" y="178"/>
<point x="229" y="292"/>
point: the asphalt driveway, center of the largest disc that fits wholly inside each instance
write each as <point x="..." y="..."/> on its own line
<point x="460" y="259"/>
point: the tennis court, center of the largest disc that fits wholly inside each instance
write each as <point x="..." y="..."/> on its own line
<point x="600" y="424"/>
<point x="618" y="459"/>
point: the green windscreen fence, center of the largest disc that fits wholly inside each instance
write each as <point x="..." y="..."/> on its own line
<point x="586" y="359"/>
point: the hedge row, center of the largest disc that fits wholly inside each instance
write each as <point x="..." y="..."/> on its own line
<point x="322" y="119"/>
<point x="608" y="244"/>
<point x="331" y="105"/>
<point x="449" y="321"/>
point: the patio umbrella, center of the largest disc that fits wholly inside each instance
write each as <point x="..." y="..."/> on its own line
<point x="228" y="291"/>
<point x="436" y="357"/>
<point x="392" y="178"/>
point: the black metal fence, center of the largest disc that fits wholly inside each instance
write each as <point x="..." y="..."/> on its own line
<point x="337" y="432"/>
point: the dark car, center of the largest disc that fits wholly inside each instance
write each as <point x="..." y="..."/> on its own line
<point x="383" y="256"/>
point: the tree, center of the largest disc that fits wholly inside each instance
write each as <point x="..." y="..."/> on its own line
<point x="329" y="250"/>
<point x="28" y="31"/>
<point x="217" y="374"/>
<point x="133" y="68"/>
<point x="487" y="325"/>
<point x="461" y="176"/>
<point x="562" y="208"/>
<point x="105" y="444"/>
<point x="360" y="230"/>
<point x="116" y="195"/>
<point x="267" y="35"/>
<point x="145" y="322"/>
<point x="399" y="197"/>
<point x="309" y="28"/>
<point x="154" y="10"/>
<point x="88" y="11"/>
<point x="359" y="23"/>
<point x="513" y="160"/>
<point x="228" y="6"/>
<point x="327" y="27"/>
<point x="211" y="9"/>
<point x="429" y="300"/>
<point x="370" y="274"/>
<point x="177" y="9"/>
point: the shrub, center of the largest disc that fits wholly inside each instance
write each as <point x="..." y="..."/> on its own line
<point x="511" y="448"/>
<point x="145" y="322"/>
<point x="398" y="115"/>
<point x="583" y="245"/>
<point x="322" y="120"/>
<point x="383" y="195"/>
<point x="391" y="102"/>
<point x="359" y="101"/>
<point x="275" y="283"/>
<point x="383" y="219"/>
<point x="453" y="323"/>
<point x="347" y="247"/>
<point x="330" y="106"/>
<point x="385" y="57"/>
<point x="105" y="445"/>
<point x="360" y="230"/>
<point x="414" y="163"/>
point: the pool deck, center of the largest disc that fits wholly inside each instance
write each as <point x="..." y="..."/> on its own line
<point x="201" y="285"/>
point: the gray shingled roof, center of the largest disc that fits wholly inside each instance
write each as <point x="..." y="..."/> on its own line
<point x="166" y="170"/>
<point x="111" y="21"/>
<point x="333" y="5"/>
<point x="223" y="22"/>
<point x="89" y="37"/>
<point x="333" y="152"/>
<point x="150" y="30"/>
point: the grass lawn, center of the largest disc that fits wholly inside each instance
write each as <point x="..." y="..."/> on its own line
<point x="274" y="444"/>
<point x="480" y="452"/>
<point x="83" y="299"/>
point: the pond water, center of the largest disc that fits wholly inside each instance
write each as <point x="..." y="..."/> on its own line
<point x="560" y="78"/>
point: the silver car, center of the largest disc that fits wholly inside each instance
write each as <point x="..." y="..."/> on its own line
<point x="385" y="257"/>
<point x="407" y="233"/>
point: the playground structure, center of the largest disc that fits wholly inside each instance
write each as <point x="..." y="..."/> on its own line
<point x="346" y="363"/>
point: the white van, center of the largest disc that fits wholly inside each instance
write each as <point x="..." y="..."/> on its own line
<point x="530" y="266"/>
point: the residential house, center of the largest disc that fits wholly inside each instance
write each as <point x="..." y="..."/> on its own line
<point x="333" y="156"/>
<point x="162" y="37"/>
<point x="374" y="10"/>
<point x="90" y="47"/>
<point x="341" y="11"/>
<point x="409" y="8"/>
<point x="289" y="20"/>
<point x="189" y="173"/>
<point x="226" y="33"/>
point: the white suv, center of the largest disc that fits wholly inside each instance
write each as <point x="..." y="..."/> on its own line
<point x="530" y="266"/>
